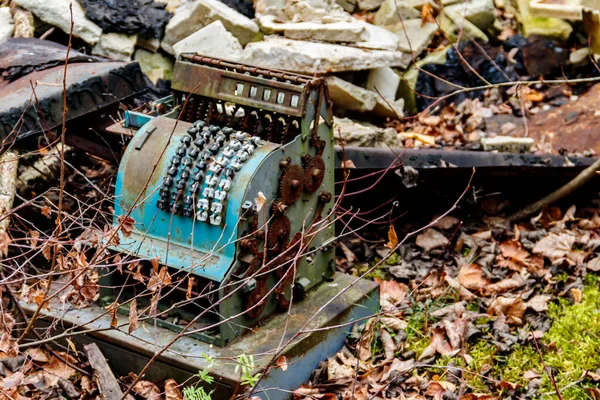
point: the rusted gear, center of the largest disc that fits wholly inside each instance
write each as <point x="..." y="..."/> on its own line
<point x="292" y="184"/>
<point x="314" y="173"/>
<point x="279" y="233"/>
<point x="256" y="298"/>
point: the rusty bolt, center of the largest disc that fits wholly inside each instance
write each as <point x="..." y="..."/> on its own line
<point x="316" y="172"/>
<point x="325" y="197"/>
<point x="296" y="183"/>
<point x="249" y="286"/>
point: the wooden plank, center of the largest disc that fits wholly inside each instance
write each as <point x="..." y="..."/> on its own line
<point x="109" y="386"/>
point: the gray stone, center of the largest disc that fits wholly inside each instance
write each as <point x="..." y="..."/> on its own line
<point x="453" y="23"/>
<point x="348" y="96"/>
<point x="507" y="144"/>
<point x="6" y="24"/>
<point x="390" y="9"/>
<point x="335" y="32"/>
<point x="384" y="81"/>
<point x="347" y="5"/>
<point x="320" y="58"/>
<point x="195" y="14"/>
<point x="115" y="46"/>
<point x="56" y="12"/>
<point x="480" y="13"/>
<point x="369" y="5"/>
<point x="323" y="11"/>
<point x="203" y="42"/>
<point x="389" y="109"/>
<point x="378" y="38"/>
<point x="354" y="133"/>
<point x="580" y="57"/>
<point x="155" y="65"/>
<point x="408" y="82"/>
<point x="413" y="35"/>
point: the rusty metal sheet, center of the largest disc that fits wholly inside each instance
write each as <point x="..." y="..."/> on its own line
<point x="22" y="56"/>
<point x="573" y="126"/>
<point x="90" y="87"/>
<point x="353" y="301"/>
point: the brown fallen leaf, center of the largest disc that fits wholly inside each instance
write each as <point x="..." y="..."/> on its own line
<point x="337" y="371"/>
<point x="435" y="390"/>
<point x="172" y="391"/>
<point x="593" y="392"/>
<point x="392" y="291"/>
<point x="127" y="224"/>
<point x="594" y="264"/>
<point x="447" y="222"/>
<point x="133" y="316"/>
<point x="147" y="390"/>
<point x="515" y="281"/>
<point x="427" y="14"/>
<point x="577" y="295"/>
<point x="389" y="347"/>
<point x="471" y="277"/>
<point x="392" y="238"/>
<point x="282" y="363"/>
<point x="539" y="303"/>
<point x="554" y="246"/>
<point x="431" y="239"/>
<point x="438" y="344"/>
<point x="512" y="308"/>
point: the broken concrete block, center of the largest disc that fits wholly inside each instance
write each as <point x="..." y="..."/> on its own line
<point x="384" y="81"/>
<point x="6" y="24"/>
<point x="56" y="12"/>
<point x="203" y="42"/>
<point x="480" y="13"/>
<point x="406" y="90"/>
<point x="361" y="134"/>
<point x="390" y="11"/>
<point x="414" y="36"/>
<point x="348" y="96"/>
<point x="378" y="38"/>
<point x="115" y="46"/>
<point x="389" y="109"/>
<point x="551" y="28"/>
<point x="150" y="44"/>
<point x="320" y="58"/>
<point x="507" y="144"/>
<point x="354" y="31"/>
<point x="348" y="5"/>
<point x="155" y="65"/>
<point x="368" y="5"/>
<point x="455" y="25"/>
<point x="195" y="14"/>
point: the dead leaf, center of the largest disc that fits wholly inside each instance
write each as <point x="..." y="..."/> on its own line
<point x="260" y="201"/>
<point x="282" y="363"/>
<point x="477" y="396"/>
<point x="56" y="369"/>
<point x="431" y="239"/>
<point x="46" y="212"/>
<point x="505" y="285"/>
<point x="337" y="371"/>
<point x="447" y="222"/>
<point x="190" y="287"/>
<point x="471" y="277"/>
<point x="593" y="223"/>
<point x="511" y="307"/>
<point x="427" y="14"/>
<point x="394" y="323"/>
<point x="348" y="164"/>
<point x="554" y="246"/>
<point x="398" y="367"/>
<point x="438" y="344"/>
<point x="435" y="390"/>
<point x="577" y="295"/>
<point x="148" y="390"/>
<point x="389" y="347"/>
<point x="113" y="308"/>
<point x="531" y="374"/>
<point x="133" y="316"/>
<point x="126" y="224"/>
<point x="172" y="391"/>
<point x="392" y="291"/>
<point x="38" y="355"/>
<point x="539" y="303"/>
<point x="392" y="238"/>
<point x="33" y="238"/>
<point x="593" y="392"/>
<point x="594" y="264"/>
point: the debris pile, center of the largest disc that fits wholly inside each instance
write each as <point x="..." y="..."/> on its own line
<point x="467" y="303"/>
<point x="386" y="60"/>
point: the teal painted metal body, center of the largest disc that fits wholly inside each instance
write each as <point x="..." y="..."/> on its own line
<point x="190" y="178"/>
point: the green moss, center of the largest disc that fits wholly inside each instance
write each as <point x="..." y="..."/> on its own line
<point x="392" y="259"/>
<point x="570" y="347"/>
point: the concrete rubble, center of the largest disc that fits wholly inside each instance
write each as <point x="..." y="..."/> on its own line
<point x="194" y="14"/>
<point x="371" y="51"/>
<point x="7" y="26"/>
<point x="57" y="13"/>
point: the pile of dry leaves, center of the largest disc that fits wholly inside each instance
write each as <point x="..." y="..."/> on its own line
<point x="465" y="310"/>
